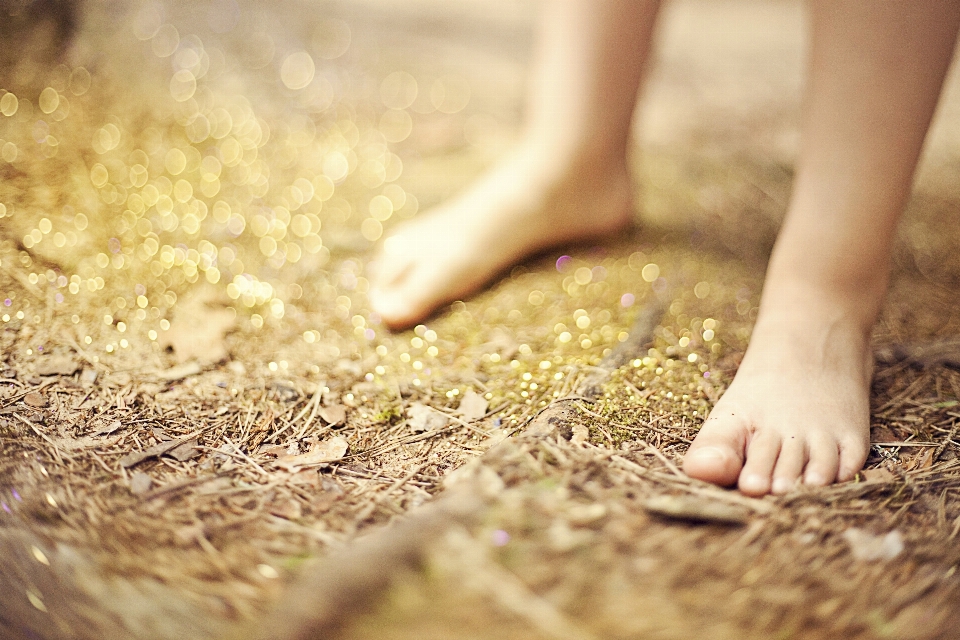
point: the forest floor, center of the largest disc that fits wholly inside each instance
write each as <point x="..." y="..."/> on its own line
<point x="205" y="432"/>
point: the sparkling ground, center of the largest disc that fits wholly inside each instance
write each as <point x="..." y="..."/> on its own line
<point x="196" y="403"/>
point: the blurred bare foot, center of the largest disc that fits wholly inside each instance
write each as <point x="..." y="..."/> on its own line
<point x="798" y="409"/>
<point x="526" y="204"/>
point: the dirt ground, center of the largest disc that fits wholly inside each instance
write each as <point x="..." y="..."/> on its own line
<point x="206" y="433"/>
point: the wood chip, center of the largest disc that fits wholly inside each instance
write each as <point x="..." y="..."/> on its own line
<point x="327" y="451"/>
<point x="34" y="399"/>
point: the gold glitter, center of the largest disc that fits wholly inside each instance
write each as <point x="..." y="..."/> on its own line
<point x="183" y="85"/>
<point x="583" y="276"/>
<point x="450" y="94"/>
<point x="650" y="272"/>
<point x="297" y="70"/>
<point x="49" y="100"/>
<point x="395" y="125"/>
<point x="9" y="104"/>
<point x="371" y="229"/>
<point x="331" y="39"/>
<point x="9" y="151"/>
<point x="79" y="81"/>
<point x="381" y="207"/>
<point x="398" y="90"/>
<point x="166" y="39"/>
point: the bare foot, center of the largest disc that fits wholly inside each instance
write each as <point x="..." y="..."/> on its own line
<point x="519" y="208"/>
<point x="798" y="408"/>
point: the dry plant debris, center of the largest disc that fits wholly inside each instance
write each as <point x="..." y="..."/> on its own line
<point x="165" y="493"/>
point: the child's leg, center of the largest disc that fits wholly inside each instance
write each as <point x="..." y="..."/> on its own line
<point x="566" y="180"/>
<point x="799" y="405"/>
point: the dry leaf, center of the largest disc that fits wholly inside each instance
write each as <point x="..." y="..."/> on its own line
<point x="58" y="365"/>
<point x="420" y="417"/>
<point x="277" y="450"/>
<point x="136" y="457"/>
<point x="473" y="406"/>
<point x="327" y="451"/>
<point x="200" y="323"/>
<point x="185" y="451"/>
<point x="86" y="442"/>
<point x="334" y="414"/>
<point x="877" y="475"/>
<point x="110" y="428"/>
<point x="34" y="399"/>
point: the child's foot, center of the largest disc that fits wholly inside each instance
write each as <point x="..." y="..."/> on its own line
<point x="519" y="208"/>
<point x="798" y="408"/>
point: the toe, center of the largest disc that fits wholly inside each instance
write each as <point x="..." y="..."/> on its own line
<point x="757" y="474"/>
<point x="824" y="462"/>
<point x="716" y="454"/>
<point x="789" y="466"/>
<point x="853" y="453"/>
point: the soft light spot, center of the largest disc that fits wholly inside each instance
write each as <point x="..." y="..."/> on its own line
<point x="297" y="70"/>
<point x="650" y="272"/>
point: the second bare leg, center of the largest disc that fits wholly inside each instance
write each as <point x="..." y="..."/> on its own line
<point x="798" y="409"/>
<point x="566" y="180"/>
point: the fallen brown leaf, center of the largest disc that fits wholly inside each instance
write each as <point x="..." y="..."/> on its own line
<point x="334" y="414"/>
<point x="185" y="451"/>
<point x="200" y="323"/>
<point x="108" y="429"/>
<point x="136" y="457"/>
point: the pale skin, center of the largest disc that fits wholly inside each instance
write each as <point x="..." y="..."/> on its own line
<point x="797" y="411"/>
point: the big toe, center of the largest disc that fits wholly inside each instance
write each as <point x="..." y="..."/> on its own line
<point x="396" y="306"/>
<point x="716" y="461"/>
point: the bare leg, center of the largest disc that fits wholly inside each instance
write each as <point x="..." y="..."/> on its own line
<point x="798" y="409"/>
<point x="566" y="180"/>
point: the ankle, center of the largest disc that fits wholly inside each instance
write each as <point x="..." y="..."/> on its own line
<point x="553" y="159"/>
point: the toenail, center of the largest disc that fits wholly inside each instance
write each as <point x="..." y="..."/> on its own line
<point x="815" y="479"/>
